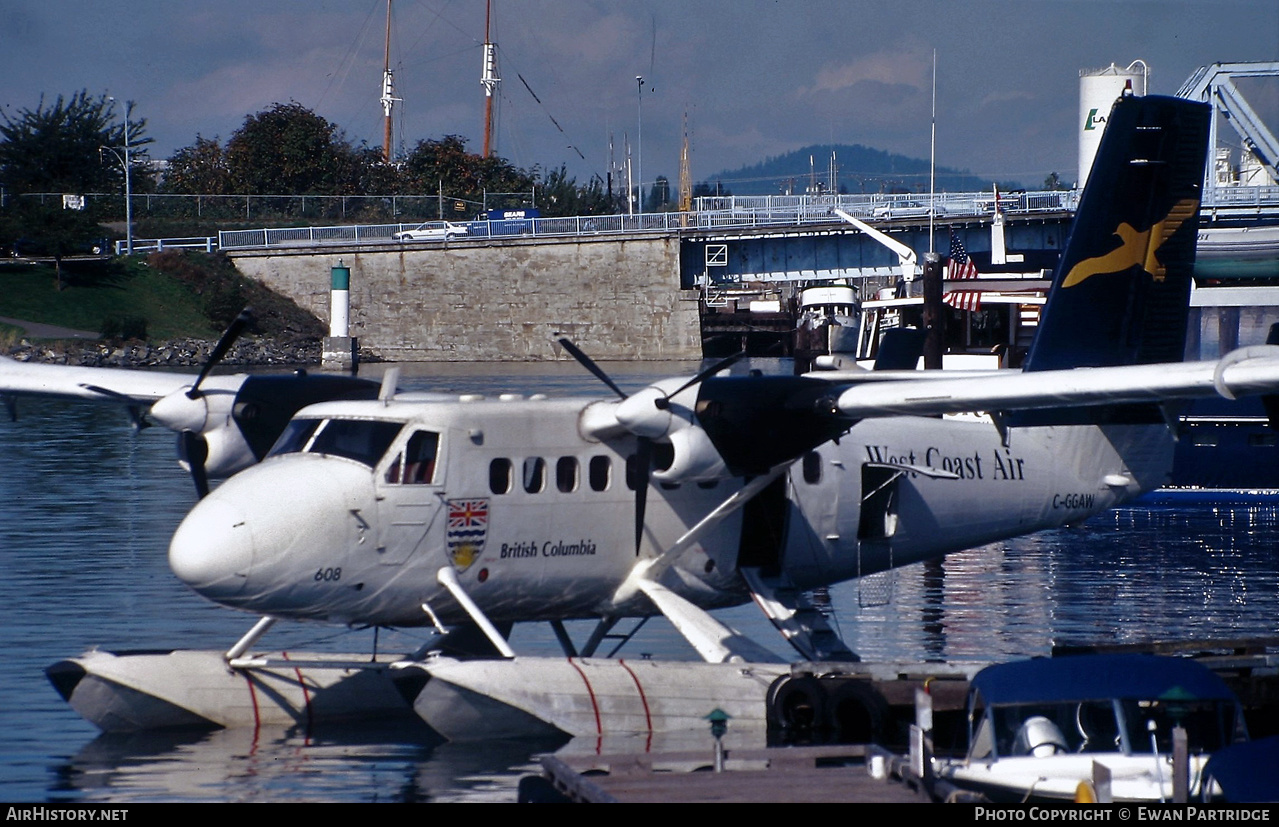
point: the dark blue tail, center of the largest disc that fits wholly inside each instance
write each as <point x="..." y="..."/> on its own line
<point x="1122" y="287"/>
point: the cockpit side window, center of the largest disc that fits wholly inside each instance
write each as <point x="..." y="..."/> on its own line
<point x="362" y="440"/>
<point x="297" y="434"/>
<point x="416" y="464"/>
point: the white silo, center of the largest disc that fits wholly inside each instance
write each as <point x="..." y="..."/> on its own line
<point x="1098" y="89"/>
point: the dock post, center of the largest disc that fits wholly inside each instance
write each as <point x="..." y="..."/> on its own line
<point x="934" y="313"/>
<point x="1180" y="765"/>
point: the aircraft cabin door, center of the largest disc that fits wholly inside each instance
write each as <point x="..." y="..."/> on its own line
<point x="878" y="522"/>
<point x="410" y="497"/>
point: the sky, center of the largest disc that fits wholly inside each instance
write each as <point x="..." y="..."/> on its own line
<point x="744" y="79"/>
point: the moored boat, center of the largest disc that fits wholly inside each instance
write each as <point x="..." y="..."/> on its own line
<point x="1123" y="728"/>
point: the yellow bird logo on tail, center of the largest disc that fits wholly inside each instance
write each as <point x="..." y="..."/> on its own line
<point x="1137" y="247"/>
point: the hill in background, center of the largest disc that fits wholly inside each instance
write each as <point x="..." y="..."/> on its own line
<point x="857" y="169"/>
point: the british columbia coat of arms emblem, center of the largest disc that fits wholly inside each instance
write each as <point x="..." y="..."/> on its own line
<point x="468" y="525"/>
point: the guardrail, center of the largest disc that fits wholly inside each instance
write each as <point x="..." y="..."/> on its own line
<point x="155" y="245"/>
<point x="714" y="214"/>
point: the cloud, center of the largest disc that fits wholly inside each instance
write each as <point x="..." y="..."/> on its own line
<point x="894" y="69"/>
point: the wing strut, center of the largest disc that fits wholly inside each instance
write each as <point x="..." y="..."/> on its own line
<point x="714" y="641"/>
<point x="448" y="579"/>
<point x="652" y="569"/>
<point x="800" y="622"/>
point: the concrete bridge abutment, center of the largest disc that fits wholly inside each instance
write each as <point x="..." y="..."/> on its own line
<point x="500" y="299"/>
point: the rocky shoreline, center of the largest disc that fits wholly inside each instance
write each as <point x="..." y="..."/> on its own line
<point x="176" y="353"/>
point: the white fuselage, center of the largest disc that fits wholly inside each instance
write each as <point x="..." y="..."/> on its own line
<point x="538" y="521"/>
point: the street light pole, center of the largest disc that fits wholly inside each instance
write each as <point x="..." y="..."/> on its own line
<point x="128" y="184"/>
<point x="128" y="178"/>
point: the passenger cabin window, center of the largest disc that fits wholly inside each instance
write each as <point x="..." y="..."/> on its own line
<point x="416" y="464"/>
<point x="632" y="472"/>
<point x="566" y="474"/>
<point x="534" y="475"/>
<point x="600" y="471"/>
<point x="500" y="475"/>
<point x="363" y="440"/>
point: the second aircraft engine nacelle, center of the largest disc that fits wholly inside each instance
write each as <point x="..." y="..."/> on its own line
<point x="228" y="451"/>
<point x="695" y="458"/>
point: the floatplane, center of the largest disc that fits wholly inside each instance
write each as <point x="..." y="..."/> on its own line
<point x="468" y="514"/>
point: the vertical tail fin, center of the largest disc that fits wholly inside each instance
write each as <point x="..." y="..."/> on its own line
<point x="1122" y="287"/>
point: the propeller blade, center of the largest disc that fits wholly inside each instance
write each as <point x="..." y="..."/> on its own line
<point x="586" y="362"/>
<point x="701" y="375"/>
<point x="220" y="349"/>
<point x="196" y="450"/>
<point x="643" y="470"/>
<point x="135" y="412"/>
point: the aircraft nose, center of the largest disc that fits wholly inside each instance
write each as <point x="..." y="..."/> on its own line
<point x="258" y="540"/>
<point x="212" y="550"/>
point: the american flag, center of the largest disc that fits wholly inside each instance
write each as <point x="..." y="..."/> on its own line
<point x="961" y="267"/>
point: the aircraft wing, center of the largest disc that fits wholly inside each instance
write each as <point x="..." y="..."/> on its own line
<point x="1251" y="370"/>
<point x="98" y="384"/>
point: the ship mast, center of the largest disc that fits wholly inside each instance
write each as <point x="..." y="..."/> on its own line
<point x="489" y="79"/>
<point x="388" y="91"/>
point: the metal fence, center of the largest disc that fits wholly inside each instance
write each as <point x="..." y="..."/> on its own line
<point x="369" y="208"/>
<point x="712" y="214"/>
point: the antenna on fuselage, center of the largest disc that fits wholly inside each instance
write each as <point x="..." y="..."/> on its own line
<point x="390" y="380"/>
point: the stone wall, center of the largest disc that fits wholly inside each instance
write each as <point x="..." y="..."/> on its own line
<point x="499" y="299"/>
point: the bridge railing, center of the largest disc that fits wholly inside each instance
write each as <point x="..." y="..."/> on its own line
<point x="712" y="214"/>
<point x="718" y="213"/>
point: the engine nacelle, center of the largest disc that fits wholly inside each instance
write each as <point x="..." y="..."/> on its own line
<point x="228" y="451"/>
<point x="695" y="458"/>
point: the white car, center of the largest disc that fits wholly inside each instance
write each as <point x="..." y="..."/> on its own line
<point x="432" y="231"/>
<point x="905" y="209"/>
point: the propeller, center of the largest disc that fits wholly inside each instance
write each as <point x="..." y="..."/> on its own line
<point x="195" y="449"/>
<point x="135" y="413"/>
<point x="232" y="333"/>
<point x="177" y="412"/>
<point x="635" y="414"/>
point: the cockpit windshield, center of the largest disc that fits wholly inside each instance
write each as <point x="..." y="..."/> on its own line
<point x="363" y="440"/>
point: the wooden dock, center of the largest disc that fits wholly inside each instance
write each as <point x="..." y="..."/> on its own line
<point x="786" y="775"/>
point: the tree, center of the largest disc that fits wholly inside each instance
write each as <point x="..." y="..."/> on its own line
<point x="199" y="169"/>
<point x="33" y="228"/>
<point x="558" y="194"/>
<point x="289" y="150"/>
<point x="445" y="164"/>
<point x="659" y="197"/>
<point x="1053" y="183"/>
<point x="593" y="198"/>
<point x="58" y="147"/>
<point x="703" y="189"/>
